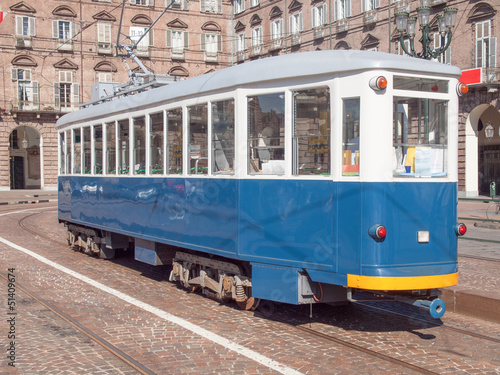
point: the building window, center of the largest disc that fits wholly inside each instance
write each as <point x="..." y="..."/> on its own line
<point x="211" y="6"/>
<point x="177" y="4"/>
<point x="66" y="93"/>
<point x="240" y="42"/>
<point x="319" y="16"/>
<point x="142" y="2"/>
<point x="104" y="77"/>
<point x="277" y="29"/>
<point x="211" y="43"/>
<point x="445" y="57"/>
<point x="25" y="26"/>
<point x="27" y="90"/>
<point x="296" y="23"/>
<point x="135" y="34"/>
<point x="177" y="40"/>
<point x="104" y="38"/>
<point x="342" y="9"/>
<point x="400" y="48"/>
<point x="367" y="5"/>
<point x="254" y="3"/>
<point x="239" y="6"/>
<point x="257" y="36"/>
<point x="64" y="30"/>
<point x="485" y="46"/>
<point x="266" y="134"/>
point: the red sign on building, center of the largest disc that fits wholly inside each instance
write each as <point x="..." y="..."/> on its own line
<point x="471" y="76"/>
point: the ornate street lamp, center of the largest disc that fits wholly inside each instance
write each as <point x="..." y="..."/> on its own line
<point x="489" y="131"/>
<point x="406" y="24"/>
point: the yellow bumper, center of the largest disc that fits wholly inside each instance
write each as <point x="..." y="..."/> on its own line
<point x="401" y="283"/>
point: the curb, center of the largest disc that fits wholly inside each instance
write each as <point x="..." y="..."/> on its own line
<point x="472" y="303"/>
<point x="28" y="201"/>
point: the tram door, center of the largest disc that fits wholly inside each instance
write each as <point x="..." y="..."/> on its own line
<point x="16" y="172"/>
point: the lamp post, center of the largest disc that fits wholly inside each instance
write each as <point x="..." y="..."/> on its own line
<point x="406" y="24"/>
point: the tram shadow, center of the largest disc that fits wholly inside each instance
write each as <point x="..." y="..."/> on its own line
<point x="353" y="316"/>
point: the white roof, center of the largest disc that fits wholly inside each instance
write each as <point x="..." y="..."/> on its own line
<point x="272" y="68"/>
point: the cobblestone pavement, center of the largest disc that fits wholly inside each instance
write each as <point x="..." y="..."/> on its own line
<point x="144" y="325"/>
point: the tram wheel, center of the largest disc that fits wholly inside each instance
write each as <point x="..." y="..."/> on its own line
<point x="250" y="304"/>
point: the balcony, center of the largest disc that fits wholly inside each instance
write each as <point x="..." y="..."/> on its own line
<point x="402" y="6"/>
<point x="26" y="106"/>
<point x="23" y="42"/>
<point x="178" y="54"/>
<point x="370" y="17"/>
<point x="240" y="56"/>
<point x="482" y="77"/>
<point x="342" y="25"/>
<point x="211" y="57"/>
<point x="104" y="48"/>
<point x="276" y="44"/>
<point x="64" y="45"/>
<point x="256" y="51"/>
<point x="142" y="51"/>
<point x="296" y="39"/>
<point x="319" y="32"/>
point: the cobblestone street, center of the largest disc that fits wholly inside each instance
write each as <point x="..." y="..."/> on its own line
<point x="149" y="325"/>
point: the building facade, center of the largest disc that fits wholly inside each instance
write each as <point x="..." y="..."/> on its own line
<point x="53" y="52"/>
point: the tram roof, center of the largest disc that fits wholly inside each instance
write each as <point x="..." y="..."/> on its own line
<point x="275" y="68"/>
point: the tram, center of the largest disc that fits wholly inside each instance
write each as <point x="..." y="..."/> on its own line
<point x="297" y="178"/>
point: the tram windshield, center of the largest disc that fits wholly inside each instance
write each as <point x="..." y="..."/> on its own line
<point x="420" y="137"/>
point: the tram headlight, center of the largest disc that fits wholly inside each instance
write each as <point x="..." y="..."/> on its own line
<point x="462" y="89"/>
<point x="378" y="83"/>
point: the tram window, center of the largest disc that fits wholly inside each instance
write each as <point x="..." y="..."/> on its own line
<point x="156" y="143"/>
<point x="110" y="148"/>
<point x="311" y="133"/>
<point x="420" y="131"/>
<point x="70" y="151"/>
<point x="122" y="155"/>
<point x="198" y="139"/>
<point x="87" y="151"/>
<point x="139" y="145"/>
<point x="174" y="141"/>
<point x="62" y="153"/>
<point x="266" y="134"/>
<point x="350" y="137"/>
<point x="420" y="84"/>
<point x="77" y="145"/>
<point x="223" y="137"/>
<point x="98" y="149"/>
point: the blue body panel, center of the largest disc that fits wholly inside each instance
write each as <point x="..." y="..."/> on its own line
<point x="319" y="226"/>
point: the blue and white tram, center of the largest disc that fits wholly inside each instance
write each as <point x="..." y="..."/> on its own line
<point x="296" y="178"/>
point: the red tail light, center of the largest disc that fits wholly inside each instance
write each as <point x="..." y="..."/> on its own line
<point x="460" y="229"/>
<point x="378" y="232"/>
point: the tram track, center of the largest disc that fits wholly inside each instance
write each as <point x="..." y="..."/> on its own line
<point x="140" y="368"/>
<point x="433" y="324"/>
<point x="123" y="357"/>
<point x="302" y="327"/>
